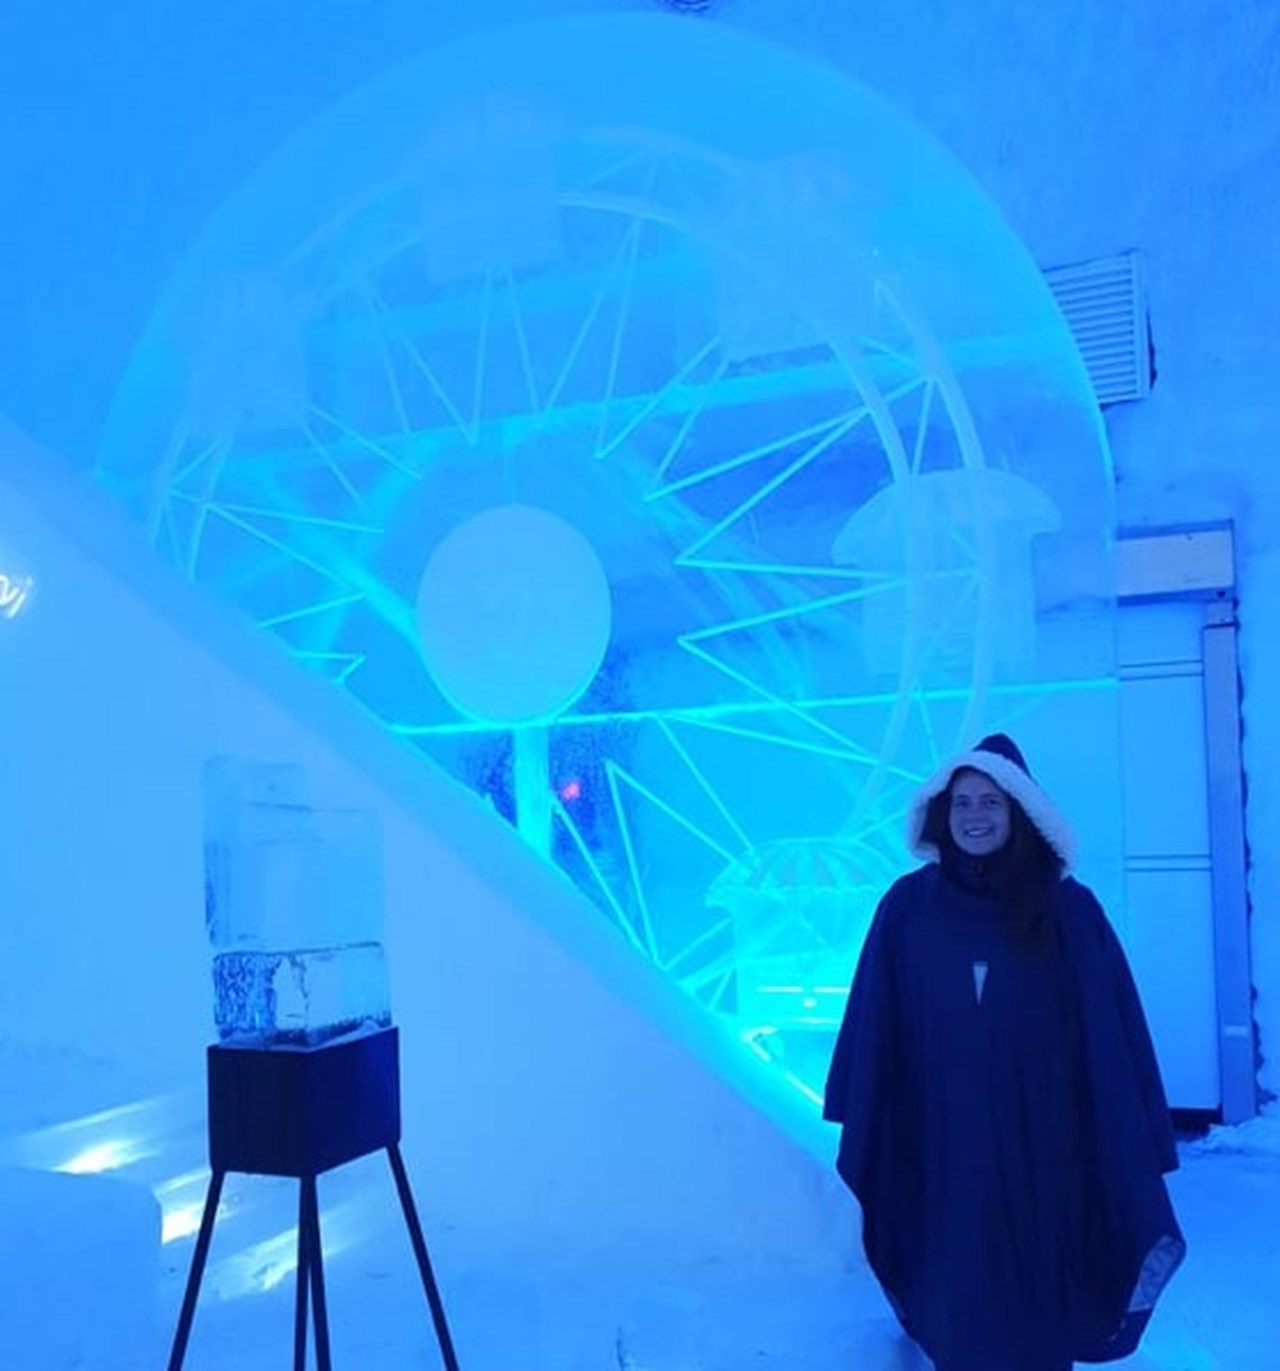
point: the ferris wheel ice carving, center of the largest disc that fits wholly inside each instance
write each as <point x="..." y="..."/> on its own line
<point x="541" y="428"/>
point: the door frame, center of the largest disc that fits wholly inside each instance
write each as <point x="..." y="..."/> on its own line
<point x="1198" y="565"/>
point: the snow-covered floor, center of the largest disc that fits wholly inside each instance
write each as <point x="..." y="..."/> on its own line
<point x="513" y="1304"/>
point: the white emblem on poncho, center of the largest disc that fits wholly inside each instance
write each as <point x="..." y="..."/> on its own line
<point x="979" y="979"/>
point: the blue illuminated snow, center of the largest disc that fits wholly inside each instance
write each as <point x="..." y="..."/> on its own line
<point x="814" y="486"/>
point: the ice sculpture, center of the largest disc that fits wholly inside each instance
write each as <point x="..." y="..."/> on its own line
<point x="293" y="905"/>
<point x="774" y="432"/>
<point x="801" y="909"/>
<point x="936" y="525"/>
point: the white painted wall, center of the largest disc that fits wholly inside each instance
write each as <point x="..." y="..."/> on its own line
<point x="550" y="1092"/>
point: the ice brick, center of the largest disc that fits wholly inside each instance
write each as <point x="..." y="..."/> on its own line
<point x="302" y="997"/>
<point x="308" y="878"/>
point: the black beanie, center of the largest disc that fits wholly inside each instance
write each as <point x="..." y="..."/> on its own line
<point x="1004" y="746"/>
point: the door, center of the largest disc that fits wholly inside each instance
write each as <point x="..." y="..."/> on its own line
<point x="1168" y="924"/>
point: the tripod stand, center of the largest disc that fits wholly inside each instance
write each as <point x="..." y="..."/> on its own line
<point x="300" y="1112"/>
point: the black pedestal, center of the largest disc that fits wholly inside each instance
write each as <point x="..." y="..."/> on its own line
<point x="300" y="1112"/>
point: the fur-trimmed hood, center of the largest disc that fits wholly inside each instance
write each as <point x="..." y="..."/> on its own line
<point x="999" y="758"/>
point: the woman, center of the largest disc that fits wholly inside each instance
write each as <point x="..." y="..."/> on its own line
<point x="1005" y="1129"/>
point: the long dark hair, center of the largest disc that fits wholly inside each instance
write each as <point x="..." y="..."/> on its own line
<point x="1022" y="875"/>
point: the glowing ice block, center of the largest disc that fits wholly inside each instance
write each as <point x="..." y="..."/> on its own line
<point x="293" y="908"/>
<point x="306" y="996"/>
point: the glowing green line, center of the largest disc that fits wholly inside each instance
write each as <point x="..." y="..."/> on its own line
<point x="196" y="462"/>
<point x="204" y="506"/>
<point x="285" y="517"/>
<point x="792" y="1079"/>
<point x="748" y="1040"/>
<point x="283" y="548"/>
<point x="307" y="611"/>
<point x="889" y="820"/>
<point x="647" y="406"/>
<point x="353" y="576"/>
<point x="806" y="458"/>
<point x="306" y="654"/>
<point x="756" y="454"/>
<point x="593" y="313"/>
<point x="706" y="715"/>
<point x="922" y="432"/>
<point x="522" y="342"/>
<point x="353" y="660"/>
<point x="420" y="362"/>
<point x="700" y="777"/>
<point x="671" y="812"/>
<point x="388" y="366"/>
<point x="725" y="962"/>
<point x="775" y="940"/>
<point x="696" y="981"/>
<point x="713" y="999"/>
<point x="829" y="571"/>
<point x="173" y="450"/>
<point x="335" y="470"/>
<point x="929" y="734"/>
<point x="845" y="754"/>
<point x="738" y="676"/>
<point x="628" y="847"/>
<point x="482" y="348"/>
<point x="615" y="352"/>
<point x="614" y="169"/>
<point x="354" y="435"/>
<point x="811" y="455"/>
<point x="677" y="396"/>
<point x="695" y="412"/>
<point x="620" y="916"/>
<point x="875" y="345"/>
<point x="791" y="611"/>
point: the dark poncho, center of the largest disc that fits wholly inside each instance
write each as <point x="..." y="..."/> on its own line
<point x="1004" y="1129"/>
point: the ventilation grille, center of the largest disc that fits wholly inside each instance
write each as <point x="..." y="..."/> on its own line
<point x="1105" y="306"/>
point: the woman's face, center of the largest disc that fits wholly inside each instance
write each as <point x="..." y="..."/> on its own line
<point x="979" y="814"/>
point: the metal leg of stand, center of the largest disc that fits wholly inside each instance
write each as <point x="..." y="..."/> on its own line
<point x="315" y="1262"/>
<point x="424" y="1262"/>
<point x="300" y="1297"/>
<point x="200" y="1256"/>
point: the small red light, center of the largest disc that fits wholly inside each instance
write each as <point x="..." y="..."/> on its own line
<point x="570" y="791"/>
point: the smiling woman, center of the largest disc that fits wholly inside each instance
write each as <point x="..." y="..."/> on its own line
<point x="979" y="814"/>
<point x="1004" y="1124"/>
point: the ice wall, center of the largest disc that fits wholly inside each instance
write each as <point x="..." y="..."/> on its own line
<point x="550" y="1084"/>
<point x="686" y="478"/>
<point x="1095" y="126"/>
<point x="1099" y="127"/>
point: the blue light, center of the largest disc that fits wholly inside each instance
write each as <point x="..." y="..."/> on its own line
<point x="685" y="486"/>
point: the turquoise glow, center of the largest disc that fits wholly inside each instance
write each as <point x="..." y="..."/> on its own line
<point x="815" y="486"/>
